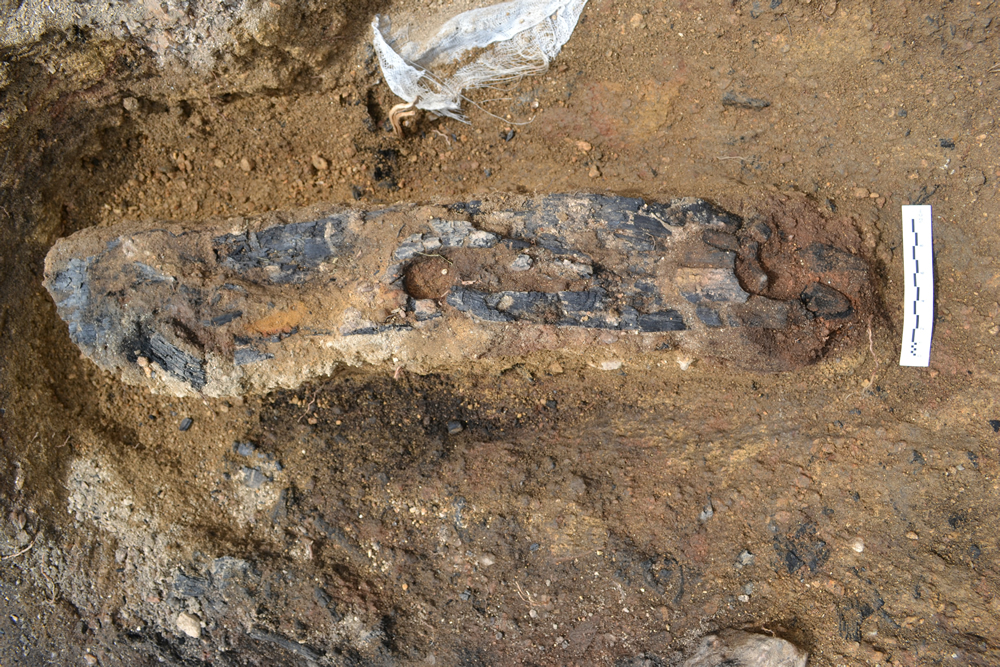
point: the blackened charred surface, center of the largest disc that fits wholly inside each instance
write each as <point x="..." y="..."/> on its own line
<point x="825" y="301"/>
<point x="709" y="317"/>
<point x="628" y="215"/>
<point x="853" y="612"/>
<point x="472" y="207"/>
<point x="190" y="586"/>
<point x="760" y="231"/>
<point x="553" y="243"/>
<point x="184" y="331"/>
<point x="667" y="320"/>
<point x="803" y="548"/>
<point x="761" y="313"/>
<point x="632" y="226"/>
<point x="384" y="170"/>
<point x="152" y="346"/>
<point x="661" y="572"/>
<point x="732" y="99"/>
<point x="651" y="225"/>
<point x="416" y="415"/>
<point x="71" y="291"/>
<point x="720" y="240"/>
<point x="703" y="213"/>
<point x="661" y="213"/>
<point x="474" y="303"/>
<point x="288" y="253"/>
<point x="583" y="301"/>
<point x="243" y="356"/>
<point x="225" y="318"/>
<point x="708" y="257"/>
<point x="292" y="647"/>
<point x="147" y="274"/>
<point x="588" y="308"/>
<point x="824" y="258"/>
<point x="537" y="307"/>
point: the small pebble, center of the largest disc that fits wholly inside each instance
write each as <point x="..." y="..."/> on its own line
<point x="975" y="178"/>
<point x="425" y="309"/>
<point x="189" y="624"/>
<point x="858" y="544"/>
<point x="131" y="105"/>
<point x="521" y="263"/>
<point x="253" y="478"/>
<point x="246" y="165"/>
<point x="455" y="427"/>
<point x="861" y="193"/>
<point x="185" y="424"/>
<point x="910" y="535"/>
<point x="320" y="163"/>
<point x="594" y="172"/>
<point x="90" y="659"/>
<point x="244" y="448"/>
<point x="610" y="365"/>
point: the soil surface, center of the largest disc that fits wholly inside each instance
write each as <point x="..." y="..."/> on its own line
<point x="519" y="513"/>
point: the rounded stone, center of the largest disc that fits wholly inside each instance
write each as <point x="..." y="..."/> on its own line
<point x="189" y="624"/>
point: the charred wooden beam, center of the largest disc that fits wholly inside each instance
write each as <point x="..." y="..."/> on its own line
<point x="248" y="304"/>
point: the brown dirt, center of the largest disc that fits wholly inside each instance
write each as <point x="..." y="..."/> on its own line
<point x="581" y="516"/>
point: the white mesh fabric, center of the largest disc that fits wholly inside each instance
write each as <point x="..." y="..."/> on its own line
<point x="518" y="38"/>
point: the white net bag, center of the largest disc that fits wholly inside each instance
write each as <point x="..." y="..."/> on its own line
<point x="480" y="48"/>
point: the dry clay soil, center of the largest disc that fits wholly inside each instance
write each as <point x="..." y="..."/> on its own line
<point x="573" y="515"/>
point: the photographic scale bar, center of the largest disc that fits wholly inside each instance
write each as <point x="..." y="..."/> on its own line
<point x="918" y="290"/>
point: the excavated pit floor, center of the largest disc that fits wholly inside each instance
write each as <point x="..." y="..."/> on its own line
<point x="570" y="507"/>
